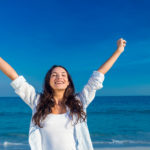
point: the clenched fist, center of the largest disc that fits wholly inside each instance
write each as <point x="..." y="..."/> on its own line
<point x="121" y="43"/>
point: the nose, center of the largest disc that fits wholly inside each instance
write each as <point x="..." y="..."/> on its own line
<point x="58" y="76"/>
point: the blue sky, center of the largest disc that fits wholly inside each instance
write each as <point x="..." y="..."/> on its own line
<point x="80" y="35"/>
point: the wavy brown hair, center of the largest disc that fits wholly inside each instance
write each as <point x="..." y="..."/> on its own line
<point x="46" y="101"/>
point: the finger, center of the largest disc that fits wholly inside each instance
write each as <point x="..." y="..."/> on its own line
<point x="124" y="41"/>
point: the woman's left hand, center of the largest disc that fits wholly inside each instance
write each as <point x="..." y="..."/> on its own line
<point x="121" y="43"/>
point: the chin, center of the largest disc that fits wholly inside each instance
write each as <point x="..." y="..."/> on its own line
<point x="60" y="89"/>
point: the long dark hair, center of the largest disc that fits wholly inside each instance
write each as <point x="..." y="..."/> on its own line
<point x="46" y="101"/>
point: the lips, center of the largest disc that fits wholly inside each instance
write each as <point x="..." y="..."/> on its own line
<point x="59" y="82"/>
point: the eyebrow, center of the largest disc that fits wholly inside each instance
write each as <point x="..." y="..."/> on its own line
<point x="56" y="72"/>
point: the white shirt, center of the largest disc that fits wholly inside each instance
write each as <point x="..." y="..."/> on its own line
<point x="29" y="95"/>
<point x="57" y="132"/>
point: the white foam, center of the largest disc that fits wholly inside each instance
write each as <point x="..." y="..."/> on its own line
<point x="121" y="142"/>
<point x="10" y="143"/>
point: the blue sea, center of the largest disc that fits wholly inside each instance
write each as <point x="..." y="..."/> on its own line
<point x="113" y="121"/>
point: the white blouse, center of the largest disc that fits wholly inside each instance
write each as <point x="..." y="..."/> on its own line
<point x="57" y="132"/>
<point x="31" y="97"/>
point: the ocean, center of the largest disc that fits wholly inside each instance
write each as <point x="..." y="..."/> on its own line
<point x="113" y="121"/>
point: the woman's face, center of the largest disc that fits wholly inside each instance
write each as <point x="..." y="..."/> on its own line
<point x="59" y="79"/>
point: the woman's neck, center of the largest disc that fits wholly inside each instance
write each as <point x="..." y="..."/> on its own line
<point x="58" y="97"/>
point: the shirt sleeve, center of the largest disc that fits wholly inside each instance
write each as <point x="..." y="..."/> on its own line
<point x="26" y="91"/>
<point x="88" y="93"/>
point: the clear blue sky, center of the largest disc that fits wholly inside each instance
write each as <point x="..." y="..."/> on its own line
<point x="80" y="35"/>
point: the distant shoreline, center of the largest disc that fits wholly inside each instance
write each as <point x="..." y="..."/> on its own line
<point x="95" y="96"/>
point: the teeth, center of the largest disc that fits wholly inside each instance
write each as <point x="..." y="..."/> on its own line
<point x="59" y="82"/>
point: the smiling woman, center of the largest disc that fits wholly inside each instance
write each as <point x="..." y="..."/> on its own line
<point x="58" y="93"/>
<point x="59" y="79"/>
<point x="54" y="110"/>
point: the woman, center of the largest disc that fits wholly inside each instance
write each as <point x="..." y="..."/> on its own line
<point x="59" y="120"/>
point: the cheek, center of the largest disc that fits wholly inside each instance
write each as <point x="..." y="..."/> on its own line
<point x="51" y="82"/>
<point x="67" y="83"/>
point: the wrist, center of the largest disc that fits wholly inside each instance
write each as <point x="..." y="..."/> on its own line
<point x="120" y="49"/>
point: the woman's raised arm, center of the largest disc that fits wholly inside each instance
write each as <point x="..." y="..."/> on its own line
<point x="121" y="43"/>
<point x="7" y="69"/>
<point x="96" y="80"/>
<point x="22" y="88"/>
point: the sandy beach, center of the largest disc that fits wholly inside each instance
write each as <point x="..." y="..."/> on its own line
<point x="125" y="148"/>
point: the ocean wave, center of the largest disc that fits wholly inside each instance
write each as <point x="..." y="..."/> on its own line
<point x="121" y="112"/>
<point x="14" y="114"/>
<point x="6" y="143"/>
<point x="15" y="134"/>
<point x="119" y="142"/>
